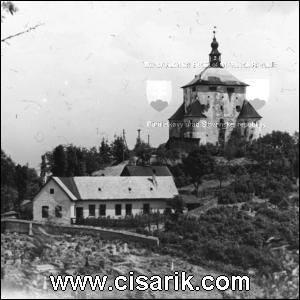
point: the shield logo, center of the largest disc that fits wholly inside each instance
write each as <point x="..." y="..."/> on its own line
<point x="258" y="92"/>
<point x="159" y="93"/>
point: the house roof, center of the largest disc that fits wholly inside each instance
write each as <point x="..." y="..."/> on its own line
<point x="215" y="76"/>
<point x="179" y="114"/>
<point x="248" y="111"/>
<point x="118" y="187"/>
<point x="196" y="110"/>
<point x="111" y="170"/>
<point x="146" y="171"/>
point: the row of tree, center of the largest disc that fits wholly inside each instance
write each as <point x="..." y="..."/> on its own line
<point x="274" y="153"/>
<point x="70" y="160"/>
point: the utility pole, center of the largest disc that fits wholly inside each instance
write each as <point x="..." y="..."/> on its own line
<point x="138" y="140"/>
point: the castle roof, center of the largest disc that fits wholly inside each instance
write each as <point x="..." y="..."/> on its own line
<point x="179" y="114"/>
<point x="196" y="110"/>
<point x="248" y="111"/>
<point x="215" y="76"/>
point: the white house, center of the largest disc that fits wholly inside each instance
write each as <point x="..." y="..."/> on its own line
<point x="65" y="199"/>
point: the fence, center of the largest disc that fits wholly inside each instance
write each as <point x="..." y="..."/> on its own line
<point x="29" y="227"/>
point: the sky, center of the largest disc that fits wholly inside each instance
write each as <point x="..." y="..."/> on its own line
<point x="83" y="75"/>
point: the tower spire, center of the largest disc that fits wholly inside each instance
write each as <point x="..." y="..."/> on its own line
<point x="215" y="55"/>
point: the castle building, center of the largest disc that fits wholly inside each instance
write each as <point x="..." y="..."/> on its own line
<point x="214" y="103"/>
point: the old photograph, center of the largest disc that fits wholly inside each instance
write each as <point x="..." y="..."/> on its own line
<point x="149" y="149"/>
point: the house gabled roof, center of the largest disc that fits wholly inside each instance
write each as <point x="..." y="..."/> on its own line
<point x="118" y="187"/>
<point x="215" y="76"/>
<point x="179" y="114"/>
<point x="146" y="171"/>
<point x="111" y="170"/>
<point x="67" y="186"/>
<point x="70" y="185"/>
<point x="196" y="110"/>
<point x="248" y="111"/>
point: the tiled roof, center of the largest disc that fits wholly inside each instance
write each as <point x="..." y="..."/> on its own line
<point x="71" y="186"/>
<point x="118" y="187"/>
<point x="111" y="170"/>
<point x="179" y="114"/>
<point x="215" y="76"/>
<point x="146" y="171"/>
<point x="196" y="110"/>
<point x="248" y="111"/>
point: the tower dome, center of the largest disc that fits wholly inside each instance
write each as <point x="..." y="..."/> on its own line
<point x="214" y="55"/>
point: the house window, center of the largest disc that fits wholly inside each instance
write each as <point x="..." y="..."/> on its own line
<point x="230" y="90"/>
<point x="128" y="208"/>
<point x="92" y="210"/>
<point x="146" y="208"/>
<point x="193" y="89"/>
<point x="238" y="108"/>
<point x="212" y="88"/>
<point x="118" y="209"/>
<point x="52" y="191"/>
<point x="58" y="211"/>
<point x="45" y="211"/>
<point x="102" y="210"/>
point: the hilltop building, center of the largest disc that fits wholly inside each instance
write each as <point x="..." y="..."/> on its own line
<point x="214" y="103"/>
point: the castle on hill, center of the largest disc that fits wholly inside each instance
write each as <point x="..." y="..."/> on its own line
<point x="214" y="104"/>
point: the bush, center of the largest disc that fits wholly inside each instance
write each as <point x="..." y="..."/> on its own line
<point x="136" y="221"/>
<point x="225" y="235"/>
<point x="277" y="198"/>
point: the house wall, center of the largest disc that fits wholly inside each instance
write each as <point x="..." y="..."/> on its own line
<point x="59" y="198"/>
<point x="137" y="206"/>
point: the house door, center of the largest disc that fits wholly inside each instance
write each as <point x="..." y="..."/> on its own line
<point x="79" y="214"/>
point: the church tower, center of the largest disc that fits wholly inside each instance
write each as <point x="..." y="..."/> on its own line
<point x="214" y="103"/>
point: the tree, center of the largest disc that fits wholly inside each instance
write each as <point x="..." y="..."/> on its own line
<point x="28" y="182"/>
<point x="236" y="145"/>
<point x="105" y="152"/>
<point x="277" y="197"/>
<point x="222" y="172"/>
<point x="21" y="181"/>
<point x="9" y="199"/>
<point x="276" y="152"/>
<point x="44" y="168"/>
<point x="72" y="159"/>
<point x="119" y="150"/>
<point x="167" y="156"/>
<point x="59" y="166"/>
<point x="7" y="170"/>
<point x="197" y="164"/>
<point x="143" y="151"/>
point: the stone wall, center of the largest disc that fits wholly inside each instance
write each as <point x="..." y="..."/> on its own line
<point x="23" y="226"/>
